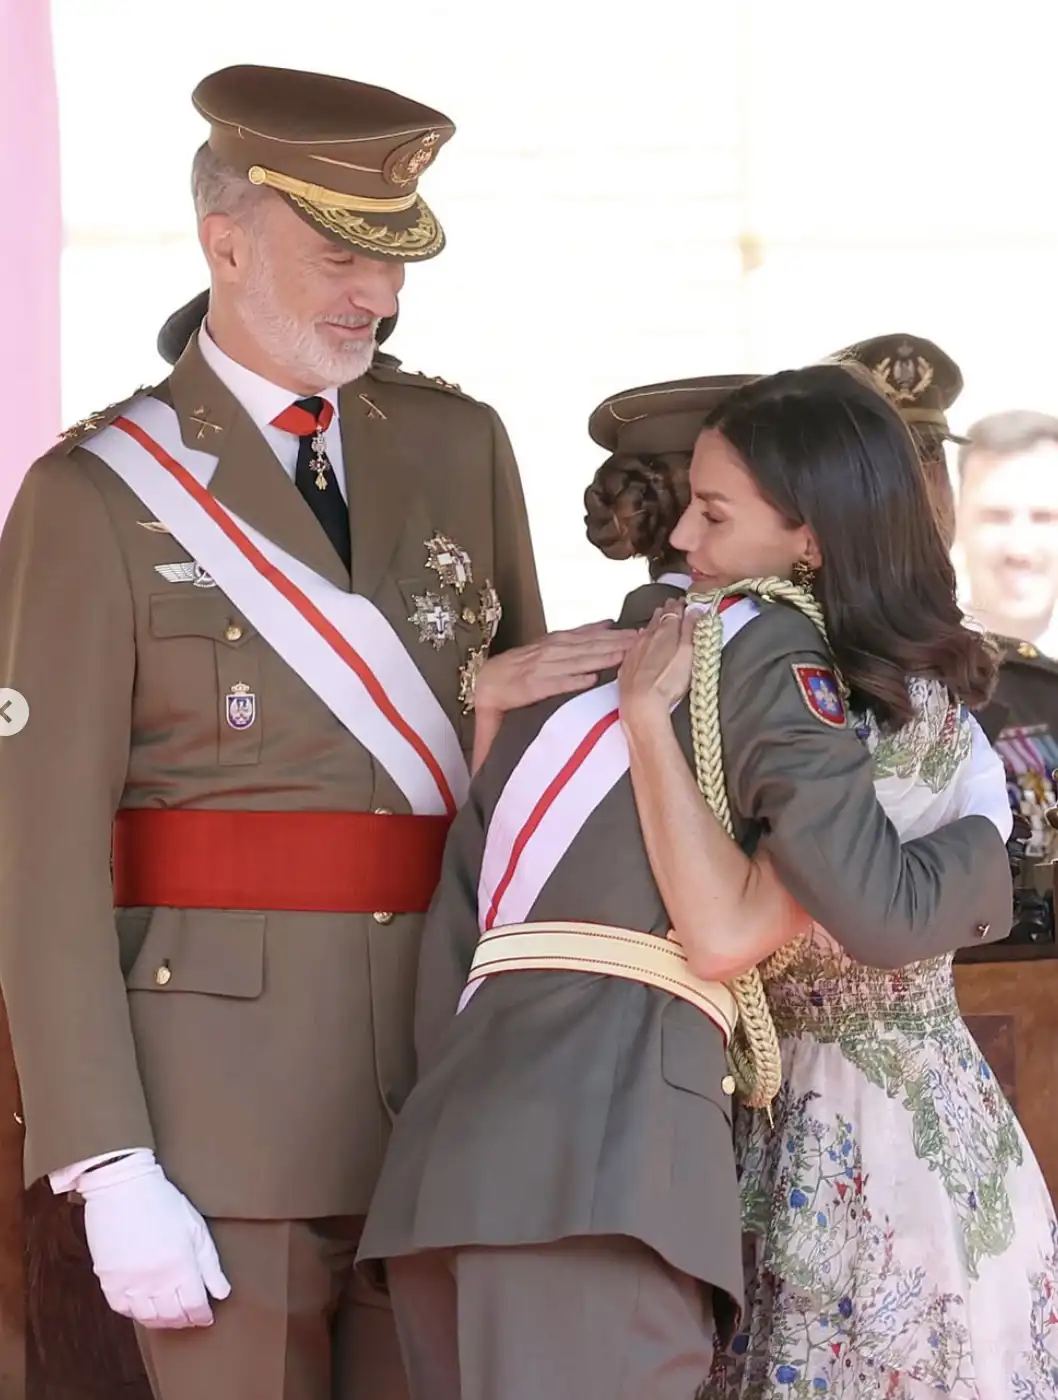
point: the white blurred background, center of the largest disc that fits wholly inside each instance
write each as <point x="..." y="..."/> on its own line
<point x="635" y="192"/>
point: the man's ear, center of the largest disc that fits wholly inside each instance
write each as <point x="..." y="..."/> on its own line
<point x="226" y="246"/>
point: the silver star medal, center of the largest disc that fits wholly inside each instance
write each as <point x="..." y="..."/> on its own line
<point x="435" y="618"/>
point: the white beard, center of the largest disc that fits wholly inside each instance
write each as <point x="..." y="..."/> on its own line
<point x="300" y="345"/>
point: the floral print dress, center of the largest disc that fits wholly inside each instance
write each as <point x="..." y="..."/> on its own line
<point x="900" y="1239"/>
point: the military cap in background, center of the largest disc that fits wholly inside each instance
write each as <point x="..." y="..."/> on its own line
<point x="175" y="335"/>
<point x="916" y="376"/>
<point x="659" y="418"/>
<point x="346" y="156"/>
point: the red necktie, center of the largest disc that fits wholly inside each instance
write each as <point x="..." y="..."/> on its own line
<point x="304" y="416"/>
<point x="308" y="420"/>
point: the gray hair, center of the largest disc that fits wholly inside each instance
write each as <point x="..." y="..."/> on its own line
<point x="218" y="188"/>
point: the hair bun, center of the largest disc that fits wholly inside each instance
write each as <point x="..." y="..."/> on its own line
<point x="633" y="504"/>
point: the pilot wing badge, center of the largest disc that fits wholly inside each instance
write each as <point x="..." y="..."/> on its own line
<point x="186" y="572"/>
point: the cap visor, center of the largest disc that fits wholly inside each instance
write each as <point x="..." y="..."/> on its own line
<point x="412" y="236"/>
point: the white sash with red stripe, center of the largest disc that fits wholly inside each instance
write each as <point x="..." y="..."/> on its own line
<point x="579" y="755"/>
<point x="339" y="643"/>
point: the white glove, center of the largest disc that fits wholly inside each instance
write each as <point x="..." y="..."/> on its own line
<point x="983" y="790"/>
<point x="151" y="1250"/>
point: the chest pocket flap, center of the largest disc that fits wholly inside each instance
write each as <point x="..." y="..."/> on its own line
<point x="199" y="613"/>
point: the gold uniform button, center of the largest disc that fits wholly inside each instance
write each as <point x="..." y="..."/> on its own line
<point x="728" y="1084"/>
<point x="469" y="616"/>
<point x="233" y="632"/>
<point x="382" y="918"/>
<point x="983" y="930"/>
<point x="163" y="974"/>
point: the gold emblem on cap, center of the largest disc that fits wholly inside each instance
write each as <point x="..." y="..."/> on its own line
<point x="905" y="376"/>
<point x="404" y="165"/>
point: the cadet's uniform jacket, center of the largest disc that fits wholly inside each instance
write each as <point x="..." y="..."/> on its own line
<point x="260" y="1053"/>
<point x="561" y="1104"/>
<point x="1026" y="692"/>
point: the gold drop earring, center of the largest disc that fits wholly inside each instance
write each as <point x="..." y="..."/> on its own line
<point x="804" y="575"/>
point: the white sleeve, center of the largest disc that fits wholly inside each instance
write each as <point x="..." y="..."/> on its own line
<point x="983" y="785"/>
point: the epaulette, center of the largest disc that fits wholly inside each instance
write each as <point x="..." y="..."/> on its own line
<point x="1014" y="650"/>
<point x="81" y="431"/>
<point x="399" y="375"/>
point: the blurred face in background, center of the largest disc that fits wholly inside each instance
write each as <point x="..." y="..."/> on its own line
<point x="1008" y="531"/>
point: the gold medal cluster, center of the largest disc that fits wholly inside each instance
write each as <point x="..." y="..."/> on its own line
<point x="457" y="599"/>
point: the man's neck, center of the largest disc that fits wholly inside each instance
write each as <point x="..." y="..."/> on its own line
<point x="230" y="335"/>
<point x="1023" y="629"/>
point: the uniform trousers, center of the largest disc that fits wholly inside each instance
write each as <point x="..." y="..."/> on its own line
<point x="600" y="1318"/>
<point x="299" y="1324"/>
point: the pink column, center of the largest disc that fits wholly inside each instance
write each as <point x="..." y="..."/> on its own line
<point x="30" y="241"/>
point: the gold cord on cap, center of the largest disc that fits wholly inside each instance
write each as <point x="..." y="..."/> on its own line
<point x="328" y="199"/>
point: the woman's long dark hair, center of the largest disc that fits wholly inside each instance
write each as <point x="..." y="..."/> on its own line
<point x="829" y="451"/>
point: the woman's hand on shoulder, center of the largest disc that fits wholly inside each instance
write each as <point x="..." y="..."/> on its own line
<point x="656" y="674"/>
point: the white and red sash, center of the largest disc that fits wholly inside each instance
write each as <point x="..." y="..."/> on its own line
<point x="339" y="643"/>
<point x="579" y="755"/>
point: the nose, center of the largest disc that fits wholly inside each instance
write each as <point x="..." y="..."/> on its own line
<point x="1021" y="540"/>
<point x="683" y="536"/>
<point x="375" y="284"/>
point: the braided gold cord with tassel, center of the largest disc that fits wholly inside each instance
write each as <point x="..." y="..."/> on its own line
<point x="754" y="1050"/>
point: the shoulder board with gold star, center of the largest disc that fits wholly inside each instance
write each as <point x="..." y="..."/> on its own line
<point x="1014" y="650"/>
<point x="81" y="431"/>
<point x="398" y="375"/>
